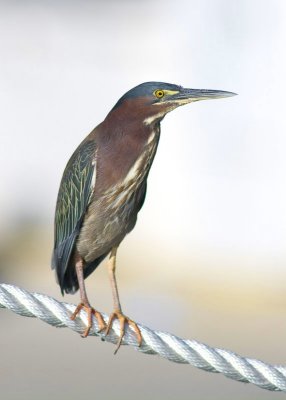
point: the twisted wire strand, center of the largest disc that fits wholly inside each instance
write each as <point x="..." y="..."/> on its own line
<point x="53" y="312"/>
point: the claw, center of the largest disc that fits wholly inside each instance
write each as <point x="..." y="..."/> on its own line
<point x="122" y="320"/>
<point x="90" y="311"/>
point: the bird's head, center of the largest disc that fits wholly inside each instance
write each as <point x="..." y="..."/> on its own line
<point x="151" y="101"/>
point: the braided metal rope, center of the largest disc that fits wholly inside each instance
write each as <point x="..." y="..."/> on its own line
<point x="154" y="342"/>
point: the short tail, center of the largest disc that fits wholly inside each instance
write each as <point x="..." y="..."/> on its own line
<point x="69" y="283"/>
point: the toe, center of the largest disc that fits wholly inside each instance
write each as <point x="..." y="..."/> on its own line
<point x="122" y="320"/>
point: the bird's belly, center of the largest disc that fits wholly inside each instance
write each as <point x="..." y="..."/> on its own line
<point x="106" y="224"/>
<point x="112" y="214"/>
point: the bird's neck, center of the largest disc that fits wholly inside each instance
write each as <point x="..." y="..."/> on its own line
<point x="121" y="146"/>
<point x="130" y="128"/>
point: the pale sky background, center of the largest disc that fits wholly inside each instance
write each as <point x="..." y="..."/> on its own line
<point x="213" y="228"/>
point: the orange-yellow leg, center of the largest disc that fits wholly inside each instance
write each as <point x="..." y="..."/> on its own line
<point x="117" y="313"/>
<point x="84" y="304"/>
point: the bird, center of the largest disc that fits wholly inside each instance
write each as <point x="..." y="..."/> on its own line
<point x="103" y="188"/>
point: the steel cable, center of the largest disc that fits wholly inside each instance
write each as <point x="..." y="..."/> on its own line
<point x="53" y="312"/>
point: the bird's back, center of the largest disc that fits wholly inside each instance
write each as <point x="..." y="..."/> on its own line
<point x="73" y="198"/>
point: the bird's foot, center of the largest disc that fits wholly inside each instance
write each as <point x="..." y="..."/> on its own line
<point x="90" y="312"/>
<point x="117" y="314"/>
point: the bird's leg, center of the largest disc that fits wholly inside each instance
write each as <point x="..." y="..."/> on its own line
<point x="85" y="302"/>
<point x="117" y="312"/>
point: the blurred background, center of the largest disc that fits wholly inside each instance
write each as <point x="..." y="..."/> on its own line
<point x="207" y="258"/>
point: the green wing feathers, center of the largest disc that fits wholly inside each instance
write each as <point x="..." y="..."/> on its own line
<point x="73" y="198"/>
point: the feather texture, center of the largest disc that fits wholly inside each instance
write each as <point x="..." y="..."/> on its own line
<point x="74" y="196"/>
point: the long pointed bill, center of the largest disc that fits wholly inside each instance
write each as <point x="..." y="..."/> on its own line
<point x="191" y="95"/>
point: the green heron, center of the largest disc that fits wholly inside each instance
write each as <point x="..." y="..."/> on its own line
<point x="104" y="187"/>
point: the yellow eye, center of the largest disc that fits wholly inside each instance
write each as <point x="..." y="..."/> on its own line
<point x="159" y="93"/>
